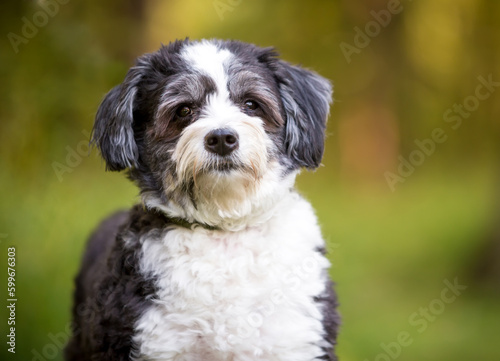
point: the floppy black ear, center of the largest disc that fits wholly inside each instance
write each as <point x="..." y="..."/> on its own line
<point x="113" y="133"/>
<point x="306" y="98"/>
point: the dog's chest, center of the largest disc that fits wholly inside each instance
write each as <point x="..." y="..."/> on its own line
<point x="245" y="295"/>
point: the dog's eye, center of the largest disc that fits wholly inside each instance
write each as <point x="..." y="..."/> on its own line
<point x="183" y="111"/>
<point x="251" y="105"/>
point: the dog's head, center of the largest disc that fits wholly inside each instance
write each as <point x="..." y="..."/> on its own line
<point x="213" y="131"/>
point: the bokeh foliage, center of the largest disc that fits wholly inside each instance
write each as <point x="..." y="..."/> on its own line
<point x="391" y="251"/>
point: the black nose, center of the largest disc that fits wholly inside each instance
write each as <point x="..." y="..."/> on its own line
<point x="221" y="141"/>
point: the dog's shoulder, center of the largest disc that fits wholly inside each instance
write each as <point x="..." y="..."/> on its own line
<point x="103" y="238"/>
<point x="115" y="293"/>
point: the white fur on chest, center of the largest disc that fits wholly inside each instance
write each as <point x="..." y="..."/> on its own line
<point x="236" y="296"/>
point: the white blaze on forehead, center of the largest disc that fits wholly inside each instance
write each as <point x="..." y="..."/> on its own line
<point x="208" y="59"/>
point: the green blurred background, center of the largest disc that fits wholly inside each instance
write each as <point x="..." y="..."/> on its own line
<point x="398" y="81"/>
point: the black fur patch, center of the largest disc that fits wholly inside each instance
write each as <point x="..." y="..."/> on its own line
<point x="331" y="319"/>
<point x="110" y="292"/>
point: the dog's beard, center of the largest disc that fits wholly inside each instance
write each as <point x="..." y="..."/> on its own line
<point x="223" y="187"/>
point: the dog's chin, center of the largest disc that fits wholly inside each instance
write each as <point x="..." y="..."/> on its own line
<point x="225" y="183"/>
<point x="228" y="196"/>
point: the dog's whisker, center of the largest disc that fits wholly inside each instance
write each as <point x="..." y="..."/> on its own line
<point x="254" y="170"/>
<point x="195" y="172"/>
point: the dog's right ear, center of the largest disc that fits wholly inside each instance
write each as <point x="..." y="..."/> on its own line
<point x="113" y="133"/>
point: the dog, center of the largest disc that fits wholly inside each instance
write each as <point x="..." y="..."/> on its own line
<point x="222" y="260"/>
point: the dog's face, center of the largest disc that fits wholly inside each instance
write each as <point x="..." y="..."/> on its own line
<point x="214" y="129"/>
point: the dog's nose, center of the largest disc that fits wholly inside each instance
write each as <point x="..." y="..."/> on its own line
<point x="221" y="141"/>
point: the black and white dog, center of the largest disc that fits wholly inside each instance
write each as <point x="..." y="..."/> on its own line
<point x="223" y="260"/>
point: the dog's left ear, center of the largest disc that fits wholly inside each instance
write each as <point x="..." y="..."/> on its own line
<point x="306" y="98"/>
<point x="113" y="127"/>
